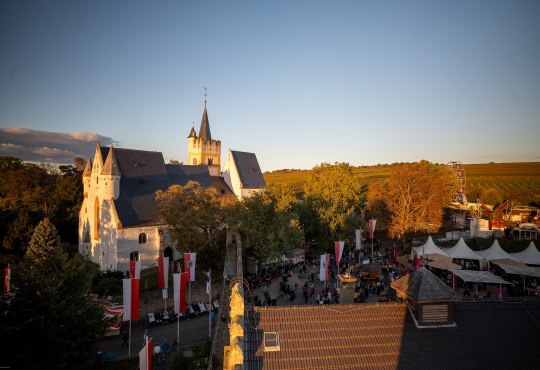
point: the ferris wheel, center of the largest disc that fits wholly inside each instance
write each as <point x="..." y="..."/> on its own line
<point x="459" y="172"/>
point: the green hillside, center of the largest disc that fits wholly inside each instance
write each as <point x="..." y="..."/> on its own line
<point x="520" y="182"/>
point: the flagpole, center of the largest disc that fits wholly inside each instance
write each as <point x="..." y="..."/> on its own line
<point x="129" y="343"/>
<point x="178" y="326"/>
<point x="211" y="308"/>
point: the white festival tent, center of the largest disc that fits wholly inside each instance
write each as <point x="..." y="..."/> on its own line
<point x="495" y="252"/>
<point x="427" y="248"/>
<point x="461" y="250"/>
<point x="531" y="255"/>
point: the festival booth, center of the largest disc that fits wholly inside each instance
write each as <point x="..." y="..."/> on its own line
<point x="530" y="289"/>
<point x="495" y="252"/>
<point x="346" y="288"/>
<point x="482" y="277"/>
<point x="114" y="313"/>
<point x="530" y="256"/>
<point x="461" y="251"/>
<point x="427" y="250"/>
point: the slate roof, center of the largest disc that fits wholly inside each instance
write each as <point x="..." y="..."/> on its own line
<point x="424" y="286"/>
<point x="488" y="335"/>
<point x="87" y="172"/>
<point x="143" y="173"/>
<point x="248" y="169"/>
<point x="204" y="131"/>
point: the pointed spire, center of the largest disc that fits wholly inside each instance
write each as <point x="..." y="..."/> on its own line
<point x="111" y="166"/>
<point x="192" y="133"/>
<point x="98" y="159"/>
<point x="87" y="172"/>
<point x="204" y="131"/>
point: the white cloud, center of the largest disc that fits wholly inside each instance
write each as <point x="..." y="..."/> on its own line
<point x="45" y="146"/>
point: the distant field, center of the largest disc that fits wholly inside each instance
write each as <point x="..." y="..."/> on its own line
<point x="518" y="181"/>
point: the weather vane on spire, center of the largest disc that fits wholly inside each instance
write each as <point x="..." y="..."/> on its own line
<point x="205" y="95"/>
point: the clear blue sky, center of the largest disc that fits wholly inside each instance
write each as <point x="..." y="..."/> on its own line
<point x="297" y="82"/>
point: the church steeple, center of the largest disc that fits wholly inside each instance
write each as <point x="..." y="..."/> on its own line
<point x="202" y="149"/>
<point x="204" y="131"/>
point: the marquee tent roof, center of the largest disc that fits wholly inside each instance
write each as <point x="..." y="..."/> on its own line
<point x="428" y="247"/>
<point x="495" y="252"/>
<point x="462" y="250"/>
<point x="472" y="276"/>
<point x="531" y="255"/>
<point x="443" y="265"/>
<point x="527" y="271"/>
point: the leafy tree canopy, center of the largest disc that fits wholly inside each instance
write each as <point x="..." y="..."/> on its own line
<point x="412" y="198"/>
<point x="193" y="214"/>
<point x="48" y="319"/>
<point x="334" y="195"/>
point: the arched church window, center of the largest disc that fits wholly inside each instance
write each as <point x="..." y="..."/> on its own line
<point x="134" y="256"/>
<point x="143" y="238"/>
<point x="210" y="161"/>
<point x="97" y="220"/>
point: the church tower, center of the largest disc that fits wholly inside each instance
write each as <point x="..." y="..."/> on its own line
<point x="202" y="149"/>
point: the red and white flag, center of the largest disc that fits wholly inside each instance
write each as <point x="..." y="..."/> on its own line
<point x="323" y="271"/>
<point x="372" y="224"/>
<point x="163" y="272"/>
<point x="179" y="292"/>
<point x="358" y="235"/>
<point x="338" y="246"/>
<point x="131" y="299"/>
<point x="145" y="356"/>
<point x="7" y="280"/>
<point x="209" y="282"/>
<point x="189" y="264"/>
<point x="135" y="269"/>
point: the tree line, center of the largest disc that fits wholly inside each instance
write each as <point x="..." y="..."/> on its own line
<point x="332" y="205"/>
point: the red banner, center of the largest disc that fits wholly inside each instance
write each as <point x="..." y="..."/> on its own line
<point x="135" y="285"/>
<point x="7" y="280"/>
<point x="184" y="278"/>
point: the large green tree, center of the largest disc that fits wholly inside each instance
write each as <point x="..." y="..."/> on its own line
<point x="193" y="214"/>
<point x="413" y="198"/>
<point x="29" y="192"/>
<point x="334" y="194"/>
<point x="269" y="221"/>
<point x="48" y="320"/>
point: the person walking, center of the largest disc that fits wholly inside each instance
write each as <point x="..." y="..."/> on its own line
<point x="125" y="338"/>
<point x="165" y="346"/>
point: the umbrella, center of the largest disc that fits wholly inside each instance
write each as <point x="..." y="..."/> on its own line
<point x="372" y="267"/>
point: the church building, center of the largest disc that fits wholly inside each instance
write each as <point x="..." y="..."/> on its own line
<point x="119" y="219"/>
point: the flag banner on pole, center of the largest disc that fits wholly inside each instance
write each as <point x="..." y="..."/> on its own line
<point x="126" y="285"/>
<point x="339" y="250"/>
<point x="7" y="280"/>
<point x="358" y="235"/>
<point x="372" y="224"/>
<point x="209" y="282"/>
<point x="184" y="278"/>
<point x="145" y="356"/>
<point x="163" y="272"/>
<point x="176" y="292"/>
<point x="189" y="264"/>
<point x="135" y="285"/>
<point x="135" y="269"/>
<point x="323" y="271"/>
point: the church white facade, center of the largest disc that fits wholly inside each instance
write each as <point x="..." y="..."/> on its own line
<point x="119" y="219"/>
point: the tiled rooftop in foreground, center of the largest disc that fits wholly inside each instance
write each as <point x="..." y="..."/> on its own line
<point x="487" y="335"/>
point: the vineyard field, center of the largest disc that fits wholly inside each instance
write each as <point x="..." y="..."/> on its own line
<point x="519" y="182"/>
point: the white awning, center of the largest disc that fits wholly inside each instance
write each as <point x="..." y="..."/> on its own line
<point x="471" y="276"/>
<point x="515" y="270"/>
